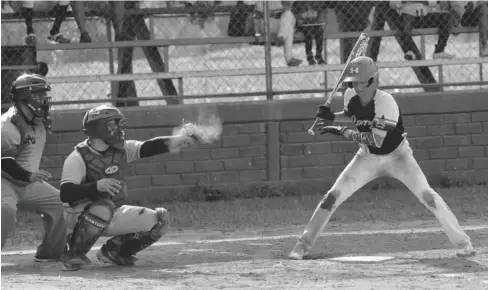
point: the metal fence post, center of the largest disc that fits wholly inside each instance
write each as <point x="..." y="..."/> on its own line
<point x="267" y="52"/>
<point x="111" y="59"/>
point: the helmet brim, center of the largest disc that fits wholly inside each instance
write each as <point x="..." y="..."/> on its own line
<point x="352" y="79"/>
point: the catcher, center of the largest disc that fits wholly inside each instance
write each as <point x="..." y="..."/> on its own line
<point x="384" y="151"/>
<point x="92" y="183"/>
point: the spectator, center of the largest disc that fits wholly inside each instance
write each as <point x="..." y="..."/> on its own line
<point x="352" y="16"/>
<point x="205" y="11"/>
<point x="59" y="9"/>
<point x="275" y="11"/>
<point x="128" y="27"/>
<point x="384" y="14"/>
<point x="240" y="23"/>
<point x="476" y="14"/>
<point x="286" y="33"/>
<point x="427" y="14"/>
<point x="281" y="26"/>
<point x="311" y="19"/>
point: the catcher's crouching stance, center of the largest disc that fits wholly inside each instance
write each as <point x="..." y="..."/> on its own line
<point x="92" y="184"/>
<point x="384" y="151"/>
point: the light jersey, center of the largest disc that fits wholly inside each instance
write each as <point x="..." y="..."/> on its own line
<point x="22" y="142"/>
<point x="383" y="106"/>
<point x="85" y="164"/>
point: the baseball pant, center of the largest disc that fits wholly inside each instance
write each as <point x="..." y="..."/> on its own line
<point x="41" y="198"/>
<point x="365" y="167"/>
<point x="127" y="219"/>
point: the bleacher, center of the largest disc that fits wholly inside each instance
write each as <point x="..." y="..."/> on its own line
<point x="182" y="77"/>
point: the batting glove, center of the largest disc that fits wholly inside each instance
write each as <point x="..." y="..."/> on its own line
<point x="336" y="130"/>
<point x="325" y="113"/>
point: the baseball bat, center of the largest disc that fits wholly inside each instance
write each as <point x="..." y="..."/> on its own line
<point x="359" y="49"/>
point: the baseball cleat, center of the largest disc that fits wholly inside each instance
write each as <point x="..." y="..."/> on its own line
<point x="110" y="257"/>
<point x="75" y="264"/>
<point x="297" y="253"/>
<point x="41" y="259"/>
<point x="467" y="251"/>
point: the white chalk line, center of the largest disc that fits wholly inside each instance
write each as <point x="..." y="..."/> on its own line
<point x="281" y="237"/>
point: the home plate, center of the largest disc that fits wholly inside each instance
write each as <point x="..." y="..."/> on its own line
<point x="362" y="259"/>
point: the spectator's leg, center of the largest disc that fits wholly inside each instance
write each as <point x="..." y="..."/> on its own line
<point x="423" y="73"/>
<point x="445" y="22"/>
<point x="154" y="59"/>
<point x="379" y="19"/>
<point x="308" y="34"/>
<point x="124" y="32"/>
<point x="343" y="26"/>
<point x="483" y="26"/>
<point x="286" y="33"/>
<point x="406" y="35"/>
<point x="26" y="9"/>
<point x="78" y="8"/>
<point x="60" y="13"/>
<point x="319" y="43"/>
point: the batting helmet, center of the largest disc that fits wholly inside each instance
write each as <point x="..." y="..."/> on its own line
<point x="31" y="90"/>
<point x="361" y="69"/>
<point x="97" y="123"/>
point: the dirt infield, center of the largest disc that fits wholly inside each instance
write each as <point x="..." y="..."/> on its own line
<point x="422" y="258"/>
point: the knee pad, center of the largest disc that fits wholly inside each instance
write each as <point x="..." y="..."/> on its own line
<point x="91" y="224"/>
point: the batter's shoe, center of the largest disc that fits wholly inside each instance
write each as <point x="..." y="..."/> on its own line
<point x="467" y="251"/>
<point x="298" y="252"/>
<point x="110" y="257"/>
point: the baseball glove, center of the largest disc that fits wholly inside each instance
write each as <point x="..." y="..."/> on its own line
<point x="196" y="133"/>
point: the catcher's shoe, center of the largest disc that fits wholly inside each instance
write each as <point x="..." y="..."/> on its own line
<point x="41" y="259"/>
<point x="467" y="251"/>
<point x="109" y="257"/>
<point x="75" y="264"/>
<point x="298" y="252"/>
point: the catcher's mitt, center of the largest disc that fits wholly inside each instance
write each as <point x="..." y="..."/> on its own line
<point x="191" y="133"/>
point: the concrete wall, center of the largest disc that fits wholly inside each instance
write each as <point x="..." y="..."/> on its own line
<point x="267" y="143"/>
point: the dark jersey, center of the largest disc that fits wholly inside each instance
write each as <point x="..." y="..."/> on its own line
<point x="383" y="106"/>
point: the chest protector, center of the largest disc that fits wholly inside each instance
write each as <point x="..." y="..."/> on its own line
<point x="109" y="164"/>
<point x="14" y="117"/>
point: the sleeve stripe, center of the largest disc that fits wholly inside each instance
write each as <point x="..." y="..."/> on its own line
<point x="8" y="157"/>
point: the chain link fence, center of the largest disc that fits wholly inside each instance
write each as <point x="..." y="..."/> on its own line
<point x="243" y="22"/>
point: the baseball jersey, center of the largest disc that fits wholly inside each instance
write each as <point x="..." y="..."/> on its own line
<point x="85" y="164"/>
<point x="383" y="106"/>
<point x="22" y="141"/>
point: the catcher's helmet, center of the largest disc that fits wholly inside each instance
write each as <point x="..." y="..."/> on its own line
<point x="97" y="123"/>
<point x="361" y="69"/>
<point x="31" y="90"/>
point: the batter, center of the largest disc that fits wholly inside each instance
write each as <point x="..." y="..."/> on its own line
<point x="384" y="151"/>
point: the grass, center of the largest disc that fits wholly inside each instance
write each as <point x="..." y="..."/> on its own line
<point x="366" y="206"/>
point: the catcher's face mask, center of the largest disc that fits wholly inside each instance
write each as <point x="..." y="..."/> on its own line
<point x="30" y="92"/>
<point x="106" y="123"/>
<point x="40" y="105"/>
<point x="111" y="131"/>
